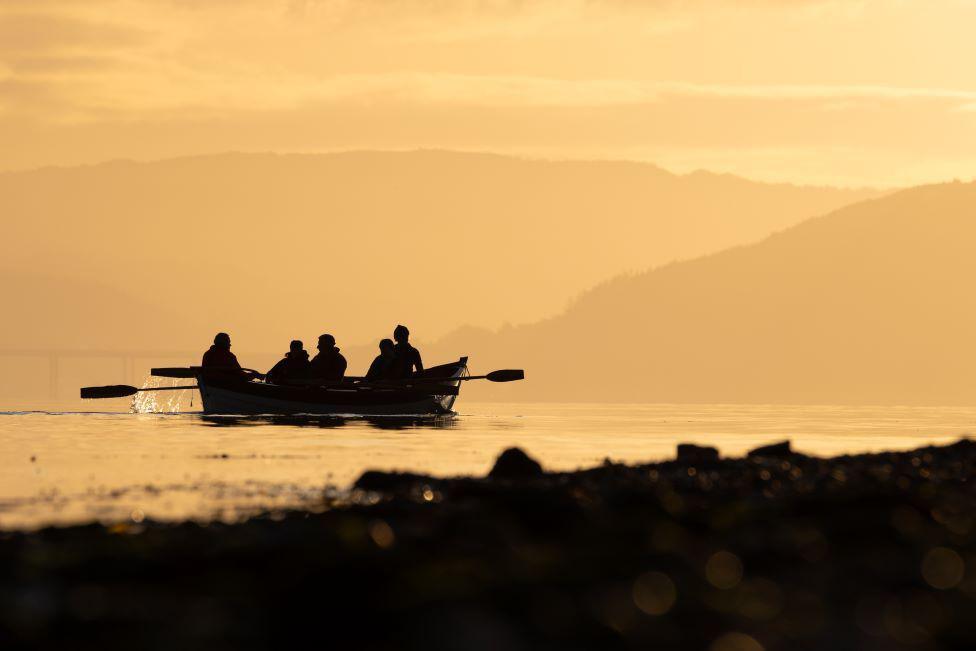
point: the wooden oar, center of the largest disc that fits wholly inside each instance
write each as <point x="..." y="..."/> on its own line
<point x="177" y="372"/>
<point x="122" y="390"/>
<point x="505" y="375"/>
<point x="189" y="372"/>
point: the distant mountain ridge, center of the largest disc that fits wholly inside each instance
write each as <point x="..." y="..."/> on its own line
<point x="277" y="246"/>
<point x="870" y="304"/>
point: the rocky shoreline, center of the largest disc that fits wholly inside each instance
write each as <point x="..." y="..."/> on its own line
<point x="775" y="550"/>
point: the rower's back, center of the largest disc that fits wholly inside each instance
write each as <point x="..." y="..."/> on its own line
<point x="329" y="364"/>
<point x="219" y="356"/>
<point x="407" y="361"/>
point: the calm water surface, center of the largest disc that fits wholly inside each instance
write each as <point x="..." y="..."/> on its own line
<point x="66" y="467"/>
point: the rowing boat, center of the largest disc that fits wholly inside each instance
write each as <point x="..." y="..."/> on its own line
<point x="431" y="392"/>
<point x="236" y="391"/>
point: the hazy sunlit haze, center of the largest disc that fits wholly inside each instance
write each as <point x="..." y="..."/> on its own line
<point x="867" y="305"/>
<point x="523" y="171"/>
<point x="280" y="246"/>
<point x="845" y="92"/>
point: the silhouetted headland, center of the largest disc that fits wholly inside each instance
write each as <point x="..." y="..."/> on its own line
<point x="776" y="550"/>
<point x="859" y="307"/>
<point x="540" y="213"/>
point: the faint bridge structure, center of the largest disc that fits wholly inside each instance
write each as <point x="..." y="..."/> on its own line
<point x="126" y="359"/>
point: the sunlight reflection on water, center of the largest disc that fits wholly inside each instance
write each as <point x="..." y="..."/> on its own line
<point x="80" y="466"/>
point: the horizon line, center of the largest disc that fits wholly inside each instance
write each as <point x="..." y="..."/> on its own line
<point x="511" y="155"/>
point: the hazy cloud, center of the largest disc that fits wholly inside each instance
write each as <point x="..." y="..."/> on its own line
<point x="175" y="89"/>
<point x="566" y="78"/>
<point x="28" y="33"/>
<point x="31" y="65"/>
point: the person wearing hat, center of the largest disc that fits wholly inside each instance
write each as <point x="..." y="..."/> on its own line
<point x="329" y="364"/>
<point x="407" y="358"/>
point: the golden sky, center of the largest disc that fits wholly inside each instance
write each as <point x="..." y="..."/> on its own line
<point x="849" y="92"/>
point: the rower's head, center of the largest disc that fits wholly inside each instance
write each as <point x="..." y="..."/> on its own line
<point x="326" y="342"/>
<point x="401" y="334"/>
<point x="296" y="346"/>
<point x="222" y="340"/>
<point x="386" y="347"/>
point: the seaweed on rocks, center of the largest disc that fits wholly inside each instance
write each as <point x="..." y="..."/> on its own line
<point x="776" y="550"/>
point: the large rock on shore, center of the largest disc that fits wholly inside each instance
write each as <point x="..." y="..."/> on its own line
<point x="696" y="454"/>
<point x="513" y="463"/>
<point x="774" y="450"/>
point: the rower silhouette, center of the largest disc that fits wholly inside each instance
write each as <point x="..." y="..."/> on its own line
<point x="329" y="364"/>
<point x="218" y="361"/>
<point x="294" y="365"/>
<point x="219" y="358"/>
<point x="407" y="358"/>
<point x="382" y="366"/>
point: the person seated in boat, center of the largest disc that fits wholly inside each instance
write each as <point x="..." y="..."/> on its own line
<point x="406" y="358"/>
<point x="219" y="355"/>
<point x="382" y="366"/>
<point x="294" y="366"/>
<point x="329" y="364"/>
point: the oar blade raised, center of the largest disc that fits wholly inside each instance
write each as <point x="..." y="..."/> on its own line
<point x="111" y="391"/>
<point x="506" y="375"/>
<point x="177" y="372"/>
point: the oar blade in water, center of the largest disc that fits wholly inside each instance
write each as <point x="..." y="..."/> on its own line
<point x="506" y="375"/>
<point x="112" y="391"/>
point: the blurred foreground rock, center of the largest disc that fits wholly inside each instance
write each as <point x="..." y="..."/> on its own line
<point x="781" y="449"/>
<point x="696" y="454"/>
<point x="513" y="463"/>
<point x="775" y="551"/>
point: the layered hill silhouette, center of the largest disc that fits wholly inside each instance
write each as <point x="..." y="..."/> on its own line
<point x="870" y="304"/>
<point x="272" y="247"/>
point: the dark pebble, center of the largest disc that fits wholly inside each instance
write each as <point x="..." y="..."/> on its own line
<point x="388" y="482"/>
